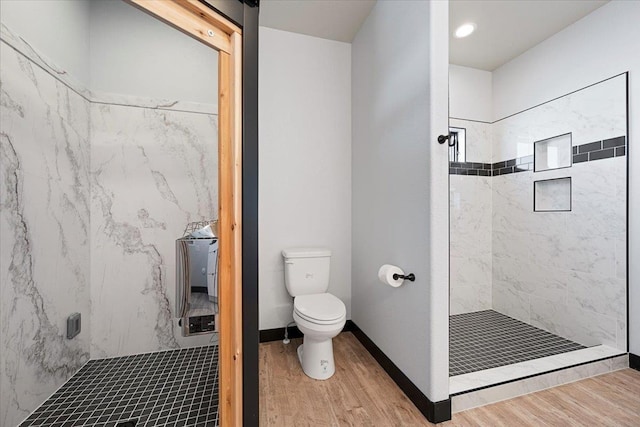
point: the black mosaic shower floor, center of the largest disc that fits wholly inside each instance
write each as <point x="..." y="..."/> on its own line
<point x="488" y="339"/>
<point x="168" y="388"/>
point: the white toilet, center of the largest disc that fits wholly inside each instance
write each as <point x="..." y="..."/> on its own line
<point x="319" y="315"/>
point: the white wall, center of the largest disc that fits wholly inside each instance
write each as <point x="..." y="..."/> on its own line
<point x="400" y="187"/>
<point x="305" y="162"/>
<point x="135" y="54"/>
<point x="59" y="28"/>
<point x="470" y="93"/>
<point x="602" y="44"/>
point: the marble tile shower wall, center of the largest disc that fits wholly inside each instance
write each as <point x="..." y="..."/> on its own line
<point x="44" y="229"/>
<point x="470" y="219"/>
<point x="564" y="272"/>
<point x="592" y="114"/>
<point x="152" y="173"/>
<point x="95" y="188"/>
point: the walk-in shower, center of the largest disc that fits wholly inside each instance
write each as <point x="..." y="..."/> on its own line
<point x="108" y="148"/>
<point x="538" y="217"/>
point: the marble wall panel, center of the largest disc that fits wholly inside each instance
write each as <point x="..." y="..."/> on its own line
<point x="470" y="284"/>
<point x="70" y="203"/>
<point x="574" y="322"/>
<point x="470" y="243"/>
<point x="599" y="187"/>
<point x="592" y="114"/>
<point x="510" y="301"/>
<point x="512" y="207"/>
<point x="478" y="139"/>
<point x="562" y="271"/>
<point x="153" y="171"/>
<point x="573" y="261"/>
<point x="44" y="229"/>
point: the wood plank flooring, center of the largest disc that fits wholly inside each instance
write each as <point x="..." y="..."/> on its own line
<point x="362" y="394"/>
<point x="607" y="400"/>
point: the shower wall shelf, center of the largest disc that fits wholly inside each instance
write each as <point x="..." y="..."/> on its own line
<point x="553" y="153"/>
<point x="552" y="195"/>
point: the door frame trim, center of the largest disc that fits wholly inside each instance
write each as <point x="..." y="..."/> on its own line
<point x="216" y="31"/>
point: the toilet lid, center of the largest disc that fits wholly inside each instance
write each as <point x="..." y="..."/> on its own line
<point x="321" y="307"/>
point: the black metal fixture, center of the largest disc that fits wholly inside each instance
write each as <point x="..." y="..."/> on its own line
<point x="410" y="277"/>
<point x="452" y="137"/>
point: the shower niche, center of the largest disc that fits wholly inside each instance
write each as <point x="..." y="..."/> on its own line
<point x="552" y="153"/>
<point x="552" y="195"/>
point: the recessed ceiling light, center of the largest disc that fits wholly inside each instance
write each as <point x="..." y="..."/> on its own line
<point x="465" y="29"/>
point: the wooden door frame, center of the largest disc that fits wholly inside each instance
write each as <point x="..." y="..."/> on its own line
<point x="216" y="31"/>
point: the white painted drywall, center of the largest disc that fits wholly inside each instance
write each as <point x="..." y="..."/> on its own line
<point x="438" y="215"/>
<point x="135" y="54"/>
<point x="60" y="29"/>
<point x="305" y="162"/>
<point x="602" y="44"/>
<point x="470" y="93"/>
<point x="399" y="183"/>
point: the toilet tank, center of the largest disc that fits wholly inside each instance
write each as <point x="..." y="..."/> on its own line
<point x="306" y="270"/>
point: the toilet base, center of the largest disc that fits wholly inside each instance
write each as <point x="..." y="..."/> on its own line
<point x="316" y="358"/>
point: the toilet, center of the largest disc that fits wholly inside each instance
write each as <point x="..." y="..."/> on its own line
<point x="319" y="315"/>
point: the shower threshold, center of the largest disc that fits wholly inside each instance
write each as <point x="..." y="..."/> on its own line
<point x="488" y="349"/>
<point x="166" y="388"/>
<point x="607" y="358"/>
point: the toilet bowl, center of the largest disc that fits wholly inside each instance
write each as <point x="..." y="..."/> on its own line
<point x="320" y="317"/>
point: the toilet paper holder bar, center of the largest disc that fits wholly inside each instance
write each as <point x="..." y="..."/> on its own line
<point x="410" y="277"/>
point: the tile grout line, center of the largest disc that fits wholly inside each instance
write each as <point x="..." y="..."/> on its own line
<point x="480" y="340"/>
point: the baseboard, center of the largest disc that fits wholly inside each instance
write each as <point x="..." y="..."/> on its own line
<point x="634" y="361"/>
<point x="435" y="412"/>
<point x="277" y="334"/>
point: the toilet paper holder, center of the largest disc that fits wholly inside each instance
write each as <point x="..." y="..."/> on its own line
<point x="410" y="277"/>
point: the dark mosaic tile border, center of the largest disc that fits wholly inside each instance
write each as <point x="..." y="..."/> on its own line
<point x="613" y="147"/>
<point x="520" y="164"/>
<point x="469" y="168"/>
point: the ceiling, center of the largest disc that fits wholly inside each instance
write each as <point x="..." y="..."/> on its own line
<point x="329" y="19"/>
<point x="505" y="28"/>
<point x="508" y="28"/>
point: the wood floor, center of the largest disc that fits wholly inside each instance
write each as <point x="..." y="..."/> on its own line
<point x="362" y="394"/>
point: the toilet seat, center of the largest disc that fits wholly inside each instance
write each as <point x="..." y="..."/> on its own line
<point x="321" y="309"/>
